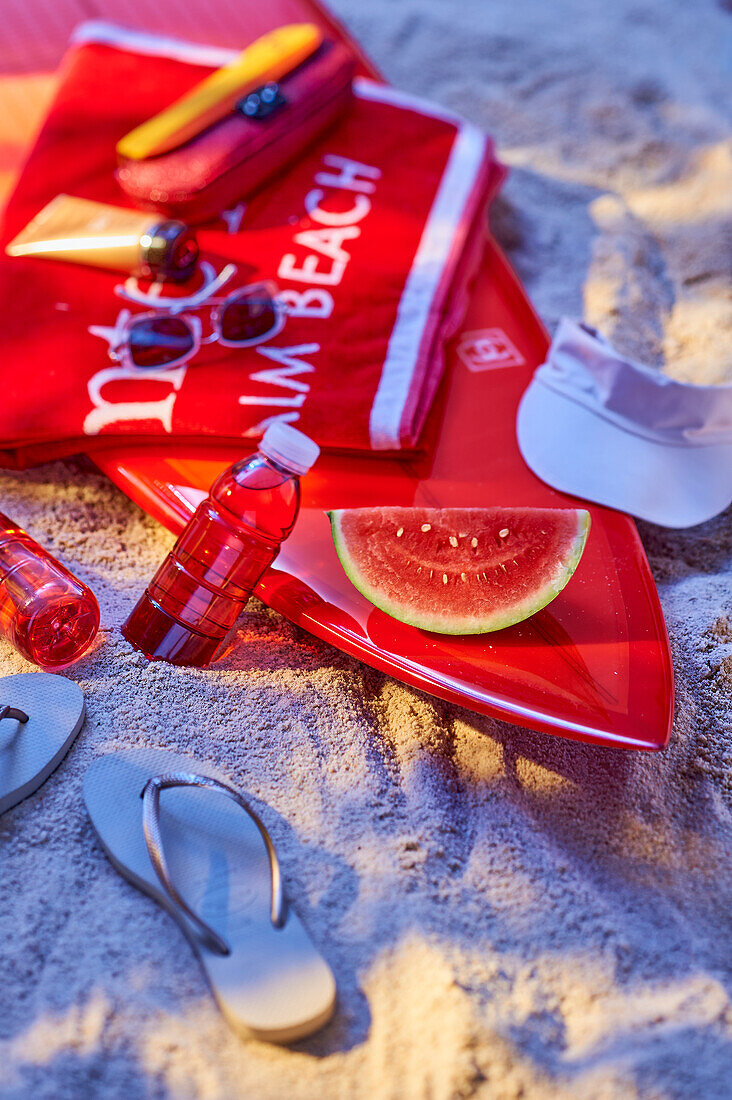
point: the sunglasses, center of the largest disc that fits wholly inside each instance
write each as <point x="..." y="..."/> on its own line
<point x="170" y="336"/>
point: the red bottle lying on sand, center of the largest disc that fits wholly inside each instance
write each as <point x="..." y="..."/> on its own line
<point x="46" y="613"/>
<point x="203" y="585"/>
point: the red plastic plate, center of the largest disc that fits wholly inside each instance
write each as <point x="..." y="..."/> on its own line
<point x="594" y="665"/>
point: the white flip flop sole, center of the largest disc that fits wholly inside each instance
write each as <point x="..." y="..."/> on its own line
<point x="273" y="984"/>
<point x="30" y="750"/>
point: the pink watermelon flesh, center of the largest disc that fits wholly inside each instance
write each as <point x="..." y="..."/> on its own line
<point x="460" y="570"/>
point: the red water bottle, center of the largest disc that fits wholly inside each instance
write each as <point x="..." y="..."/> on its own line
<point x="203" y="585"/>
<point x="45" y="612"/>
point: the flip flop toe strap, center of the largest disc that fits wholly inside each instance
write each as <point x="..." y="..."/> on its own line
<point x="153" y="838"/>
<point x="13" y="712"/>
<point x="16" y="715"/>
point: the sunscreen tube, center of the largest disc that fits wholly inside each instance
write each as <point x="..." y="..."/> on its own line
<point x="84" y="232"/>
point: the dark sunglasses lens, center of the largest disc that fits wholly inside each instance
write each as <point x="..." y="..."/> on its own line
<point x="248" y="317"/>
<point x="157" y="341"/>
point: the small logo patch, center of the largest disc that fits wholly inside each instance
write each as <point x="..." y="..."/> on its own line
<point x="488" y="349"/>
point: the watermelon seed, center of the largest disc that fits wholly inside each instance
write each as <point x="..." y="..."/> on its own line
<point x="426" y="526"/>
<point x="503" y="533"/>
<point x="464" y="576"/>
<point x="503" y="567"/>
<point x="444" y="578"/>
<point x="400" y="532"/>
<point x="473" y="543"/>
<point x="453" y="540"/>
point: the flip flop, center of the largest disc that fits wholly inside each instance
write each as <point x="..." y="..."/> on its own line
<point x="178" y="831"/>
<point x="40" y="715"/>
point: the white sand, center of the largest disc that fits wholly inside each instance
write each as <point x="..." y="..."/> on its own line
<point x="507" y="914"/>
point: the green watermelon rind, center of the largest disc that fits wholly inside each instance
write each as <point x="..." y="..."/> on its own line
<point x="463" y="626"/>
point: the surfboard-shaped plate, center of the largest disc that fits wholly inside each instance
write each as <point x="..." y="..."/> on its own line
<point x="595" y="664"/>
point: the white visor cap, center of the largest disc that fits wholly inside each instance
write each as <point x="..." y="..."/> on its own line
<point x="597" y="425"/>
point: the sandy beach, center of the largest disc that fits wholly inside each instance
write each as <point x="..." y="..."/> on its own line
<point x="507" y="914"/>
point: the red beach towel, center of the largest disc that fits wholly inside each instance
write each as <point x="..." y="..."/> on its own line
<point x="371" y="237"/>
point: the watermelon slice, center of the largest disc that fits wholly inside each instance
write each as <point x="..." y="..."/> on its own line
<point x="460" y="570"/>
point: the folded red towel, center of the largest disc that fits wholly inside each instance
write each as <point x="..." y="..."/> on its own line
<point x="367" y="237"/>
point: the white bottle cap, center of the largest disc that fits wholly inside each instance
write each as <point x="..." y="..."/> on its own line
<point x="290" y="448"/>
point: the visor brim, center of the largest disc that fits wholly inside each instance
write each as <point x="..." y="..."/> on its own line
<point x="579" y="452"/>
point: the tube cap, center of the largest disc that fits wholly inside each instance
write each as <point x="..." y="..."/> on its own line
<point x="169" y="251"/>
<point x="290" y="448"/>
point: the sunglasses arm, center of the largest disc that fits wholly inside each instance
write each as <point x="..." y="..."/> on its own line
<point x="115" y="337"/>
<point x="211" y="283"/>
